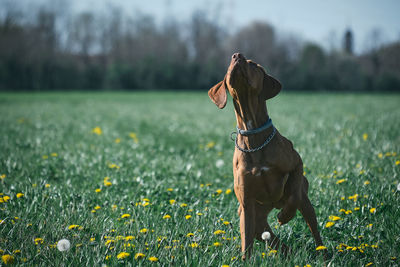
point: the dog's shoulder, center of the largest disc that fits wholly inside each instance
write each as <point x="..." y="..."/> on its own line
<point x="286" y="156"/>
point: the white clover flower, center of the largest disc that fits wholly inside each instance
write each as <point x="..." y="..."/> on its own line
<point x="219" y="163"/>
<point x="266" y="236"/>
<point x="63" y="245"/>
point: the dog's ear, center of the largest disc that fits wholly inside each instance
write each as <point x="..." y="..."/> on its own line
<point x="218" y="94"/>
<point x="271" y="87"/>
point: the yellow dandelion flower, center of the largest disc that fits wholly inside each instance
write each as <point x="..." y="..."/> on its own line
<point x="20" y="195"/>
<point x="153" y="259"/>
<point x="219" y="232"/>
<point x="329" y="224"/>
<point x="93" y="211"/>
<point x="341" y="181"/>
<point x="98" y="190"/>
<point x="183" y="205"/>
<point x="190" y="234"/>
<point x="357" y="208"/>
<point x="134" y="137"/>
<point x="321" y="248"/>
<point x="113" y="166"/>
<point x="123" y="255"/>
<point x="365" y="136"/>
<point x="272" y="252"/>
<point x="397" y="162"/>
<point x="114" y="207"/>
<point x="170" y="189"/>
<point x="219" y="191"/>
<point x="92" y="239"/>
<point x="334" y="218"/>
<point x="172" y="201"/>
<point x="199" y="214"/>
<point x="217" y="244"/>
<point x="54" y="154"/>
<point x="109" y="242"/>
<point x="97" y="130"/>
<point x="187" y="217"/>
<point x="38" y="241"/>
<point x="2" y="176"/>
<point x="126" y="215"/>
<point x="45" y="157"/>
<point x="348" y="212"/>
<point x="380" y="155"/>
<point x="97" y="207"/>
<point x="145" y="204"/>
<point x="47" y="185"/>
<point x="73" y="226"/>
<point x="7" y="259"/>
<point x="17" y="251"/>
<point x="194" y="245"/>
<point x="225" y="265"/>
<point x="210" y="144"/>
<point x="166" y="216"/>
<point x="143" y="231"/>
<point x="372" y="210"/>
<point x="139" y="256"/>
<point x="369" y="225"/>
<point x="369" y="264"/>
<point x="367" y="182"/>
<point x="117" y="140"/>
<point x="129" y="237"/>
<point x="353" y="197"/>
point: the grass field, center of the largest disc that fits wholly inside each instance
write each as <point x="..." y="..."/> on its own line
<point x="150" y="174"/>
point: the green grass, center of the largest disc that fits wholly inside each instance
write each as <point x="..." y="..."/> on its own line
<point x="180" y="138"/>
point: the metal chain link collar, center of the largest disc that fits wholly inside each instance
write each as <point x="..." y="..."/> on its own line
<point x="262" y="128"/>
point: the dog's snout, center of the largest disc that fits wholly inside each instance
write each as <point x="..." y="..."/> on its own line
<point x="237" y="56"/>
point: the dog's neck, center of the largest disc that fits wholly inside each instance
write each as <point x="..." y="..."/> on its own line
<point x="251" y="115"/>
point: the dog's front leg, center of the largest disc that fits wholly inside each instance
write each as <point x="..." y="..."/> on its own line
<point x="247" y="227"/>
<point x="244" y="191"/>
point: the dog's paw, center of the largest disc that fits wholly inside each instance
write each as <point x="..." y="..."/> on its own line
<point x="282" y="219"/>
<point x="285" y="215"/>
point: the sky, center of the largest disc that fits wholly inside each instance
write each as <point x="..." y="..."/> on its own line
<point x="320" y="21"/>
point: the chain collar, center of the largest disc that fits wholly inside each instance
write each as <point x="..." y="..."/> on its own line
<point x="267" y="125"/>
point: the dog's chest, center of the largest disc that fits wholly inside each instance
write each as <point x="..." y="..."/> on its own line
<point x="260" y="170"/>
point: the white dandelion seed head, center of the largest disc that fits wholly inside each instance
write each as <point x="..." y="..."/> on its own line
<point x="219" y="163"/>
<point x="63" y="245"/>
<point x="266" y="236"/>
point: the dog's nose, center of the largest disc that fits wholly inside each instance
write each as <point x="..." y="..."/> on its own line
<point x="237" y="56"/>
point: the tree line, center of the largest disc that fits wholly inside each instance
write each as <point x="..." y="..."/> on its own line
<point x="89" y="51"/>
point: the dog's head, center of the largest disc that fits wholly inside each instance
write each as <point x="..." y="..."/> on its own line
<point x="244" y="77"/>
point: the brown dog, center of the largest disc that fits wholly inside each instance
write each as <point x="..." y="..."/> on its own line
<point x="268" y="172"/>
